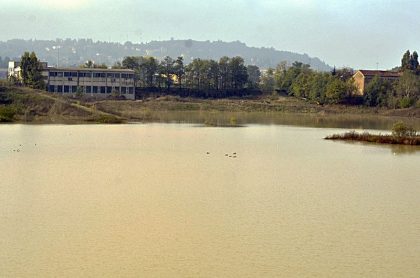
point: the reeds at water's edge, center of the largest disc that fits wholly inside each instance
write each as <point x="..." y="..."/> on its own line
<point x="376" y="138"/>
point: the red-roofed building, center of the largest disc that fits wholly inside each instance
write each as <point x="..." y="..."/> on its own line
<point x="363" y="77"/>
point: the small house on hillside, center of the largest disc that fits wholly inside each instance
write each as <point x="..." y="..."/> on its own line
<point x="363" y="77"/>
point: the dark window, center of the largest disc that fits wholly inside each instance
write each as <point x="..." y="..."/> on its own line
<point x="53" y="73"/>
<point x="59" y="74"/>
<point x="85" y="74"/>
<point x="88" y="89"/>
<point x="108" y="90"/>
<point x="74" y="74"/>
<point x="67" y="74"/>
<point x="123" y="90"/>
<point x="95" y="89"/>
<point x="66" y="89"/>
<point x="110" y="75"/>
<point x="51" y="88"/>
<point x="123" y="75"/>
<point x="103" y="89"/>
<point x="116" y="75"/>
<point x="59" y="89"/>
<point x="74" y="89"/>
<point x="130" y="90"/>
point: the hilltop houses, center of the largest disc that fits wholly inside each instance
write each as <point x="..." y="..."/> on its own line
<point x="95" y="82"/>
<point x="363" y="77"/>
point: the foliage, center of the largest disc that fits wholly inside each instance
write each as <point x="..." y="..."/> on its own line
<point x="79" y="92"/>
<point x="31" y="71"/>
<point x="336" y="91"/>
<point x="408" y="86"/>
<point x="91" y="65"/>
<point x="400" y="129"/>
<point x="377" y="92"/>
<point x="254" y="76"/>
<point x="7" y="113"/>
<point x="374" y="138"/>
<point x="267" y="81"/>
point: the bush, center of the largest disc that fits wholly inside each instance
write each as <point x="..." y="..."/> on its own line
<point x="400" y="129"/>
<point x="7" y="113"/>
<point x="406" y="102"/>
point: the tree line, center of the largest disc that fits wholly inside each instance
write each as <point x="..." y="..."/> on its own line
<point x="201" y="77"/>
<point x="338" y="86"/>
<point x="231" y="77"/>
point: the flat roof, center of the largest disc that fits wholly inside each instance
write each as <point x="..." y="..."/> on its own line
<point x="381" y="73"/>
<point x="90" y="69"/>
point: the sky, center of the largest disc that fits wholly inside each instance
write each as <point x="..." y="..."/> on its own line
<point x="357" y="33"/>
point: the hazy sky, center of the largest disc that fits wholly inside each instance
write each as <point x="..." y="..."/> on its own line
<point x="357" y="33"/>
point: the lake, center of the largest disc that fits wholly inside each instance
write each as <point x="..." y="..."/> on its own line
<point x="183" y="200"/>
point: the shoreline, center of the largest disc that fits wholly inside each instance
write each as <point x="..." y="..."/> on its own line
<point x="39" y="107"/>
<point x="384" y="139"/>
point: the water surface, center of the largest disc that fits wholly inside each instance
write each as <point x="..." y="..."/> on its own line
<point x="164" y="200"/>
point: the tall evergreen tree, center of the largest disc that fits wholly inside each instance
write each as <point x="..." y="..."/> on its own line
<point x="31" y="71"/>
<point x="405" y="61"/>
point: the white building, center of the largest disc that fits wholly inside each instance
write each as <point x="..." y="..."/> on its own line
<point x="94" y="82"/>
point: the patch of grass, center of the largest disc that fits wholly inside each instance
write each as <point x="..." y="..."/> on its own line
<point x="107" y="119"/>
<point x="376" y="138"/>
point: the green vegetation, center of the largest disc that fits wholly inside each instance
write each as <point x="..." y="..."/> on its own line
<point x="21" y="104"/>
<point x="31" y="71"/>
<point x="400" y="129"/>
<point x="7" y="113"/>
<point x="402" y="134"/>
<point x="200" y="78"/>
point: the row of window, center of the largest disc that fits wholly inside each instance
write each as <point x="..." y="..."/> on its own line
<point x="91" y="89"/>
<point x="90" y="74"/>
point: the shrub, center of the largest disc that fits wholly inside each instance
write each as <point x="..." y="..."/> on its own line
<point x="400" y="129"/>
<point x="406" y="102"/>
<point x="7" y="113"/>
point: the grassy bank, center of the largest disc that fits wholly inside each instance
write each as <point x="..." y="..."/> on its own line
<point x="376" y="138"/>
<point x="26" y="105"/>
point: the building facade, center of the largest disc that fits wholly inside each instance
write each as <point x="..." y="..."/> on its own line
<point x="93" y="82"/>
<point x="363" y="77"/>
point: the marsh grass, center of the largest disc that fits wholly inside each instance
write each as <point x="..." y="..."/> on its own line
<point x="376" y="138"/>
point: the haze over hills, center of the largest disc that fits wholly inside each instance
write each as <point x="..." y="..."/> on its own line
<point x="74" y="52"/>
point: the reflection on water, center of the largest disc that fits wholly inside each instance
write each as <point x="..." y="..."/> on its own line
<point x="308" y="120"/>
<point x="164" y="200"/>
<point x="394" y="149"/>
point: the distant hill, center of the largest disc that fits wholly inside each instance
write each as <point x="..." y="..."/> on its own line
<point x="74" y="52"/>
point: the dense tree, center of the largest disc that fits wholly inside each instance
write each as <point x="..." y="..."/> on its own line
<point x="224" y="72"/>
<point x="317" y="86"/>
<point x="167" y="70"/>
<point x="336" y="91"/>
<point x="254" y="76"/>
<point x="267" y="81"/>
<point x="238" y="72"/>
<point x="408" y="89"/>
<point x="179" y="70"/>
<point x="414" y="61"/>
<point x="377" y="92"/>
<point x="31" y="71"/>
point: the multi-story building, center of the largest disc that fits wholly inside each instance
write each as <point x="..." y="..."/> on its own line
<point x="94" y="82"/>
<point x="91" y="81"/>
<point x="363" y="77"/>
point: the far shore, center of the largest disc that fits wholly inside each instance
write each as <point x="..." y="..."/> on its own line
<point x="39" y="107"/>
